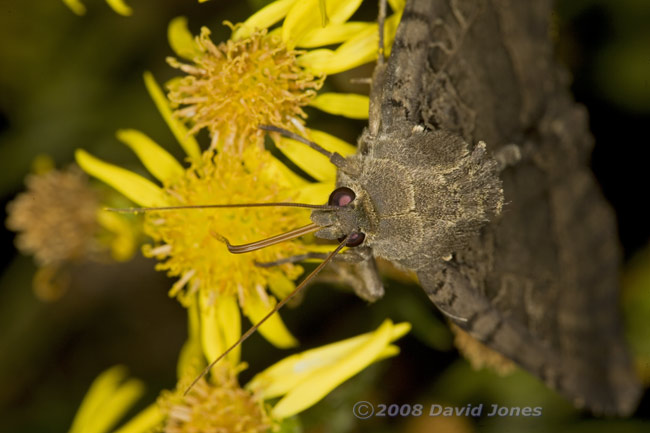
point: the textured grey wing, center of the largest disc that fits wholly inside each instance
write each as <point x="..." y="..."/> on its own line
<point x="540" y="285"/>
<point x="482" y="69"/>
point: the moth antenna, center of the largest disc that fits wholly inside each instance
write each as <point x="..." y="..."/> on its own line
<point x="335" y="158"/>
<point x="220" y="206"/>
<point x="258" y="245"/>
<point x="275" y="309"/>
<point x="380" y="22"/>
<point x="292" y="259"/>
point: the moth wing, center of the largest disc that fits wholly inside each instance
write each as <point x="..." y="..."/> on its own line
<point x="540" y="285"/>
<point x="481" y="69"/>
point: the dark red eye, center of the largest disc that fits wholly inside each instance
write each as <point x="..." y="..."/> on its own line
<point x="341" y="197"/>
<point x="355" y="239"/>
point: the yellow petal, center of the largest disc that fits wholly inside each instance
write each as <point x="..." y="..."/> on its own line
<point x="190" y="360"/>
<point x="390" y="29"/>
<point x="397" y="5"/>
<point x="332" y="34"/>
<point x="301" y="17"/>
<point x="343" y="104"/>
<point x="315" y="60"/>
<point x="283" y="376"/>
<point x="264" y="18"/>
<point x="315" y="193"/>
<point x="278" y="173"/>
<point x="120" y="402"/>
<point x="100" y="391"/>
<point x="181" y="39"/>
<point x="357" y="51"/>
<point x="322" y="6"/>
<point x="143" y="422"/>
<point x="280" y="285"/>
<point x="220" y="328"/>
<point x="106" y="401"/>
<point x="123" y="243"/>
<point x="230" y="325"/>
<point x="131" y="185"/>
<point x="323" y="380"/>
<point x="388" y="352"/>
<point x="332" y="143"/>
<point x="194" y="320"/>
<point x="160" y="163"/>
<point x="120" y="7"/>
<point x="76" y="6"/>
<point x="273" y="330"/>
<point x="186" y="140"/>
<point x="211" y="336"/>
<point x="311" y="161"/>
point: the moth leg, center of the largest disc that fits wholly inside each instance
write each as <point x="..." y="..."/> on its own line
<point x="292" y="259"/>
<point x="507" y="156"/>
<point x="363" y="277"/>
<point x="357" y="268"/>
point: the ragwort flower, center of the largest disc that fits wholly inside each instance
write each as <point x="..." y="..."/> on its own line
<point x="218" y="403"/>
<point x="260" y="77"/>
<point x="184" y="239"/>
<point x="59" y="221"/>
<point x="110" y="396"/>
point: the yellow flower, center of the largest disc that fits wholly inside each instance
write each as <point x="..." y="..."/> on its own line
<point x="107" y="400"/>
<point x="59" y="221"/>
<point x="259" y="77"/>
<point x="235" y="86"/>
<point x="184" y="239"/>
<point x="118" y="6"/>
<point x="304" y="379"/>
<point x="218" y="403"/>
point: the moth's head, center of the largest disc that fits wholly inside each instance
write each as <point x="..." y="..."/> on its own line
<point x="347" y="219"/>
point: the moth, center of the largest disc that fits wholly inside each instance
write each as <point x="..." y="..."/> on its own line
<point x="473" y="172"/>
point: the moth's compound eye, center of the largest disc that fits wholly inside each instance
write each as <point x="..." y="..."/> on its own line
<point x="341" y="197"/>
<point x="354" y="239"/>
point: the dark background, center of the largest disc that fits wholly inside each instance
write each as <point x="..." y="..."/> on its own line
<point x="68" y="82"/>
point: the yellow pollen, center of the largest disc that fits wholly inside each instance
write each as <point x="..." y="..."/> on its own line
<point x="237" y="85"/>
<point x="185" y="240"/>
<point x="220" y="407"/>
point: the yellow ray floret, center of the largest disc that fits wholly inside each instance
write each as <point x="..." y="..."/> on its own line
<point x="311" y="161"/>
<point x="257" y="77"/>
<point x="306" y="378"/>
<point x="107" y="400"/>
<point x="186" y="140"/>
<point x="133" y="186"/>
<point x="343" y="104"/>
<point x="118" y="6"/>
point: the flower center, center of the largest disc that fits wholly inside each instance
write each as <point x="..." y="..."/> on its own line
<point x="224" y="407"/>
<point x="237" y="85"/>
<point x="185" y="241"/>
<point x="56" y="217"/>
